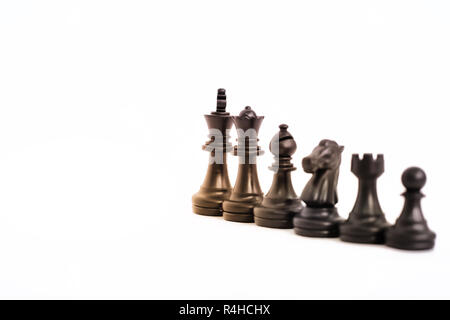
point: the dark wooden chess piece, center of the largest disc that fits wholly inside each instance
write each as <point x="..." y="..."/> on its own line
<point x="411" y="231"/>
<point x="366" y="222"/>
<point x="247" y="192"/>
<point x="216" y="186"/>
<point x="320" y="217"/>
<point x="281" y="202"/>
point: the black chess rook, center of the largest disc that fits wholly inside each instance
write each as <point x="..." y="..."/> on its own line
<point x="366" y="222"/>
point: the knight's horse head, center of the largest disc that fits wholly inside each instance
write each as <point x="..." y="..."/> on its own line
<point x="324" y="164"/>
<point x="326" y="156"/>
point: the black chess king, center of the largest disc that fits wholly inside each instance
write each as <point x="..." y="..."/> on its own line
<point x="216" y="186"/>
<point x="247" y="193"/>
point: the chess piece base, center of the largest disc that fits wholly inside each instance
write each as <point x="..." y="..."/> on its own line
<point x="410" y="241"/>
<point x="238" y="217"/>
<point x="208" y="201"/>
<point x="275" y="214"/>
<point x="317" y="222"/>
<point x="207" y="211"/>
<point x="368" y="232"/>
<point x="274" y="223"/>
<point x="368" y="239"/>
<point x="239" y="208"/>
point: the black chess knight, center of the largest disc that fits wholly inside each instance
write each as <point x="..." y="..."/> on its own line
<point x="216" y="187"/>
<point x="320" y="217"/>
<point x="247" y="192"/>
<point x="366" y="222"/>
<point x="281" y="202"/>
<point x="411" y="231"/>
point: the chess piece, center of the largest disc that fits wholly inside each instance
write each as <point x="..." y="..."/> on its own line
<point x="320" y="217"/>
<point x="216" y="186"/>
<point x="247" y="192"/>
<point x="281" y="202"/>
<point x="411" y="231"/>
<point x="366" y="222"/>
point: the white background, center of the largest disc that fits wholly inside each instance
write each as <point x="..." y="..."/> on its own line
<point x="101" y="128"/>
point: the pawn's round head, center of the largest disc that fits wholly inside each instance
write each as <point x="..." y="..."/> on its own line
<point x="414" y="178"/>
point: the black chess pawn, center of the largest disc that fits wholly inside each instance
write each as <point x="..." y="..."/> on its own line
<point x="281" y="202"/>
<point x="411" y="231"/>
<point x="320" y="217"/>
<point x="216" y="186"/>
<point x="247" y="192"/>
<point x="366" y="222"/>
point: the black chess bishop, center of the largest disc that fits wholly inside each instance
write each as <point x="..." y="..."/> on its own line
<point x="281" y="202"/>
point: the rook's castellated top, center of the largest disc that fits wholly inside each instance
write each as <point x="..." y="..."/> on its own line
<point x="368" y="167"/>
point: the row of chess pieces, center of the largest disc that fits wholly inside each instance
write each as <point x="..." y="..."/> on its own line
<point x="314" y="213"/>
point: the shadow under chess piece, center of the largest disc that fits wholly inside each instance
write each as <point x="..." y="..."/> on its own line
<point x="281" y="202"/>
<point x="247" y="192"/>
<point x="216" y="186"/>
<point x="320" y="217"/>
<point x="411" y="231"/>
<point x="366" y="222"/>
